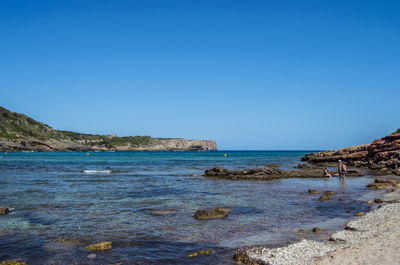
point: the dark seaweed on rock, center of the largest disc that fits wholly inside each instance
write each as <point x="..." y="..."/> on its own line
<point x="269" y="173"/>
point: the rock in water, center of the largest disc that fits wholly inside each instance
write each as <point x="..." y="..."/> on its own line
<point x="313" y="191"/>
<point x="273" y="165"/>
<point x="201" y="252"/>
<point x="13" y="262"/>
<point x="212" y="214"/>
<point x="325" y="198"/>
<point x="4" y="210"/>
<point x="317" y="230"/>
<point x="328" y="192"/>
<point x="359" y="213"/>
<point x="100" y="246"/>
<point x="382" y="183"/>
<point x="377" y="200"/>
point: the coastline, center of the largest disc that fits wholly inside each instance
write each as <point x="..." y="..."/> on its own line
<point x="369" y="239"/>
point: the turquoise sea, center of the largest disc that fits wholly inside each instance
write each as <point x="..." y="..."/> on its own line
<point x="64" y="201"/>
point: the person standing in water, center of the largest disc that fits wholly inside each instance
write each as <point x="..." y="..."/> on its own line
<point x="344" y="170"/>
<point x="340" y="169"/>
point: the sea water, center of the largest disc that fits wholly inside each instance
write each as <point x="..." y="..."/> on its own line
<point x="144" y="203"/>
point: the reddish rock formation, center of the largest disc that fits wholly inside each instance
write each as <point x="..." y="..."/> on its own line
<point x="382" y="154"/>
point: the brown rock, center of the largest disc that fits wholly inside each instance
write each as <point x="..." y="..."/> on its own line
<point x="313" y="192"/>
<point x="382" y="154"/>
<point x="377" y="200"/>
<point x="212" y="214"/>
<point x="100" y="246"/>
<point x="325" y="198"/>
<point x="13" y="262"/>
<point x="383" y="183"/>
<point x="317" y="230"/>
<point x="272" y="165"/>
<point x="328" y="192"/>
<point x="4" y="210"/>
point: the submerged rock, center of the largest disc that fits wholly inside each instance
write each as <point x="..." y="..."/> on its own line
<point x="303" y="166"/>
<point x="4" y="210"/>
<point x="13" y="262"/>
<point x="313" y="192"/>
<point x="161" y="212"/>
<point x="359" y="213"/>
<point x="201" y="252"/>
<point x="219" y="212"/>
<point x="273" y="165"/>
<point x="377" y="200"/>
<point x="100" y="246"/>
<point x="328" y="192"/>
<point x="325" y="198"/>
<point x="383" y="183"/>
<point x="91" y="256"/>
<point x="317" y="230"/>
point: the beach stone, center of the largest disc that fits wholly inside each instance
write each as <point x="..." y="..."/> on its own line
<point x="313" y="191"/>
<point x="13" y="262"/>
<point x="4" y="210"/>
<point x="328" y="192"/>
<point x="219" y="212"/>
<point x="273" y="165"/>
<point x="325" y="198"/>
<point x="100" y="246"/>
<point x="317" y="230"/>
<point x="377" y="200"/>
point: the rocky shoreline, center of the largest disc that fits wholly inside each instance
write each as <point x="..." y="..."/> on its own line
<point x="384" y="220"/>
<point x="271" y="173"/>
<point x="382" y="155"/>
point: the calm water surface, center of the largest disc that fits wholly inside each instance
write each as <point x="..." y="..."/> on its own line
<point x="146" y="207"/>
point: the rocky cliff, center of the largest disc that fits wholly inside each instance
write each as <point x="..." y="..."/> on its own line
<point x="382" y="154"/>
<point x="19" y="132"/>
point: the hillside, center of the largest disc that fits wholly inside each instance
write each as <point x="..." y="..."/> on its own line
<point x="19" y="132"/>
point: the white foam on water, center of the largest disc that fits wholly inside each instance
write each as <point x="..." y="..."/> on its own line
<point x="97" y="171"/>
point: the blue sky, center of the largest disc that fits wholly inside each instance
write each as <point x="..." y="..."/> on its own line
<point x="248" y="74"/>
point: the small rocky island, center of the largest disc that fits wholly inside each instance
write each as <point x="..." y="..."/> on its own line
<point x="20" y="133"/>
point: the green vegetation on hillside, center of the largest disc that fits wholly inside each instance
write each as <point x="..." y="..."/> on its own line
<point x="19" y="126"/>
<point x="396" y="132"/>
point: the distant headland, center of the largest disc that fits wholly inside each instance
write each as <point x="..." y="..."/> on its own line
<point x="20" y="133"/>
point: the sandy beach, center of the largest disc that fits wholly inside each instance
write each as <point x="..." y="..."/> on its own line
<point x="370" y="239"/>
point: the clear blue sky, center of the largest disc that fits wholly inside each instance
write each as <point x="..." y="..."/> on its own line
<point x="248" y="74"/>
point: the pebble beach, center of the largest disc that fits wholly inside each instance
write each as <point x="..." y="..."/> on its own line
<point x="373" y="238"/>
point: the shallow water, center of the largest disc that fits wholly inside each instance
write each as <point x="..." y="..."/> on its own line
<point x="145" y="206"/>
